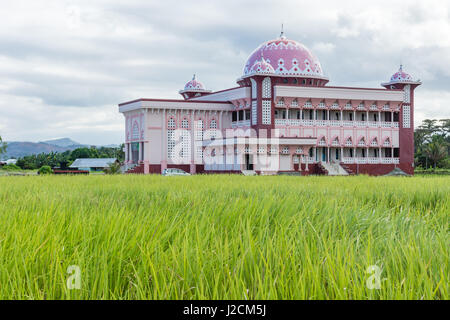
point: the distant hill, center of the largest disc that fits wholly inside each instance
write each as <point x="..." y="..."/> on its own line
<point x="17" y="149"/>
<point x="63" y="142"/>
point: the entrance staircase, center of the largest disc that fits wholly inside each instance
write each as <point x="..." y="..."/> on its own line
<point x="346" y="168"/>
<point x="334" y="169"/>
<point x="132" y="168"/>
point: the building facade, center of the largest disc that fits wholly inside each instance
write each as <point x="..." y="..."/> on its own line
<point x="282" y="117"/>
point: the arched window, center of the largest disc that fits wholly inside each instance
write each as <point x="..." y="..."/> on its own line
<point x="387" y="142"/>
<point x="335" y="142"/>
<point x="374" y="142"/>
<point x="362" y="142"/>
<point x="349" y="142"/>
<point x="185" y="123"/>
<point x="135" y="131"/>
<point x="171" y="123"/>
<point x="322" y="141"/>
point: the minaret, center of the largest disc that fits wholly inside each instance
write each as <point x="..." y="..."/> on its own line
<point x="403" y="81"/>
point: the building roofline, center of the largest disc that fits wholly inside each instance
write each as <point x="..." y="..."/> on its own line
<point x="220" y="91"/>
<point x="362" y="88"/>
<point x="277" y="75"/>
<point x="194" y="91"/>
<point x="173" y="100"/>
<point x="400" y="82"/>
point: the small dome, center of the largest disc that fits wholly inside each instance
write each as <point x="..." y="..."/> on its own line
<point x="261" y="66"/>
<point x="401" y="76"/>
<point x="287" y="58"/>
<point x="194" y="84"/>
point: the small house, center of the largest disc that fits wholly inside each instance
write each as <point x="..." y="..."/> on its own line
<point x="92" y="165"/>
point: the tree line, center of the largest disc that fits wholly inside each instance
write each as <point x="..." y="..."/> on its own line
<point x="432" y="144"/>
<point x="58" y="159"/>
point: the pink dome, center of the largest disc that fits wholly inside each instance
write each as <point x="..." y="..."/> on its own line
<point x="401" y="76"/>
<point x="287" y="57"/>
<point x="194" y="84"/>
<point x="262" y="66"/>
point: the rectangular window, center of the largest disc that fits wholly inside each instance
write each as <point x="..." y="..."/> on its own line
<point x="266" y="112"/>
<point x="406" y="117"/>
<point x="170" y="143"/>
<point x="406" y="93"/>
<point x="396" y="152"/>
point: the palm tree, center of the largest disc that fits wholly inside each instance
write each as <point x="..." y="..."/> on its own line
<point x="429" y="127"/>
<point x="436" y="151"/>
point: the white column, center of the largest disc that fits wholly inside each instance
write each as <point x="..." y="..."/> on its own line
<point x="139" y="152"/>
<point x="164" y="140"/>
<point x="192" y="131"/>
<point x="328" y="154"/>
<point x="379" y="153"/>
<point x="367" y="116"/>
<point x="341" y="158"/>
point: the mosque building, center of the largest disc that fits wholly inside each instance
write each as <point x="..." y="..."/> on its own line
<point x="281" y="117"/>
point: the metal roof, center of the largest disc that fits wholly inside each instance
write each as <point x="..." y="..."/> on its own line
<point x="92" y="163"/>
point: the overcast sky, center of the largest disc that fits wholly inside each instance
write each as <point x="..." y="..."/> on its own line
<point x="65" y="65"/>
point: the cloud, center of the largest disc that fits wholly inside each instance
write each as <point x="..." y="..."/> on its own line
<point x="65" y="65"/>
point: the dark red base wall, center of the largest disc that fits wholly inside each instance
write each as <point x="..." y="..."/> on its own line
<point x="370" y="169"/>
<point x="313" y="168"/>
<point x="155" y="168"/>
<point x="199" y="168"/>
<point x="379" y="169"/>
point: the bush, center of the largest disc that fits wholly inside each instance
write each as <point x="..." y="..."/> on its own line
<point x="113" y="168"/>
<point x="11" y="167"/>
<point x="45" y="170"/>
<point x="437" y="171"/>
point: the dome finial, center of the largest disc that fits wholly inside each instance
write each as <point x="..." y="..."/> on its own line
<point x="401" y="67"/>
<point x="282" y="31"/>
<point x="193" y="77"/>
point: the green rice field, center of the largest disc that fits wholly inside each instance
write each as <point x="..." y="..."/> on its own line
<point x="224" y="237"/>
